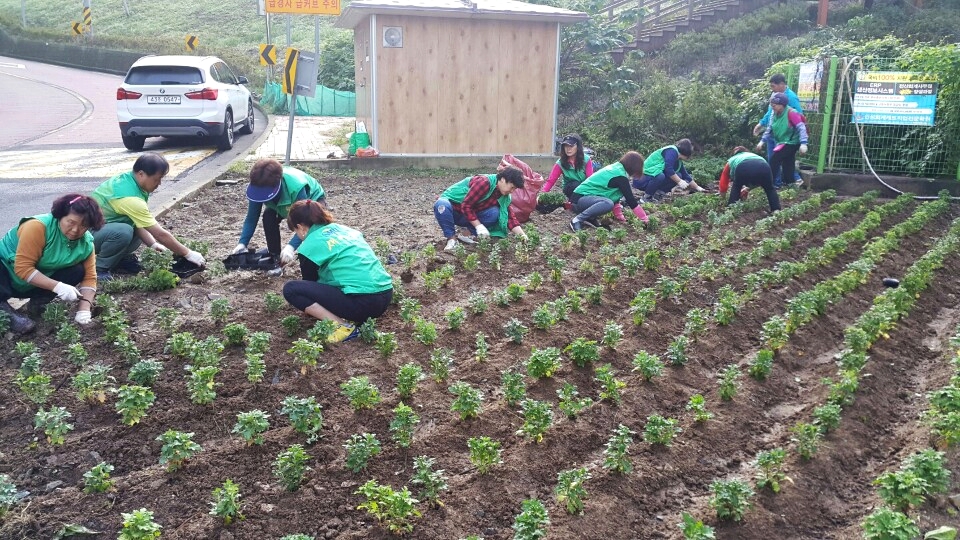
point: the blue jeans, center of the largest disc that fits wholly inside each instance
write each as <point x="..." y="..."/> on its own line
<point x="591" y="206"/>
<point x="652" y="184"/>
<point x="449" y="219"/>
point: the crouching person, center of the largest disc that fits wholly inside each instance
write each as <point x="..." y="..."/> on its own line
<point x="50" y="256"/>
<point x="601" y="193"/>
<point x="343" y="280"/>
<point x="746" y="170"/>
<point x="481" y="203"/>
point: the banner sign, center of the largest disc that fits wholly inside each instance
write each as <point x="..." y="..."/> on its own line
<point x="897" y="98"/>
<point x="303" y="7"/>
<point x="808" y="89"/>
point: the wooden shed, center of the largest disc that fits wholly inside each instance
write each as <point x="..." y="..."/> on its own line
<point x="457" y="77"/>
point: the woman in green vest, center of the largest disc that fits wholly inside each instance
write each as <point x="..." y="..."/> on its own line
<point x="787" y="132"/>
<point x="51" y="255"/>
<point x="276" y="187"/>
<point x="746" y="170"/>
<point x="343" y="280"/>
<point x="598" y="194"/>
<point x="663" y="170"/>
<point x="573" y="166"/>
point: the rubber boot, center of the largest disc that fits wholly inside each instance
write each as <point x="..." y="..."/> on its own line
<point x="18" y="323"/>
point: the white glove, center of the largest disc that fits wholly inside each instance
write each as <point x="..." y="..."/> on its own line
<point x="67" y="293"/>
<point x="522" y="235"/>
<point x="158" y="247"/>
<point x="195" y="258"/>
<point x="760" y="145"/>
<point x="287" y="255"/>
<point x="83" y="317"/>
<point x="683" y="184"/>
<point x="241" y="248"/>
<point x="803" y="149"/>
<point x="482" y="231"/>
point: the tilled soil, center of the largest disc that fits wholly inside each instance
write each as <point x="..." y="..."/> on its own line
<point x="826" y="497"/>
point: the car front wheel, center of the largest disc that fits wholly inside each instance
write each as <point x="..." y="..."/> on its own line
<point x="134" y="143"/>
<point x="248" y="124"/>
<point x="226" y="139"/>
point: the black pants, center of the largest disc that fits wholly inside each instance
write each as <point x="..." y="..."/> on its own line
<point x="271" y="227"/>
<point x="787" y="159"/>
<point x="352" y="307"/>
<point x="753" y="173"/>
<point x="569" y="187"/>
<point x="71" y="275"/>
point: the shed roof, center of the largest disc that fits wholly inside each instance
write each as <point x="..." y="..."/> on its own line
<point x="512" y="10"/>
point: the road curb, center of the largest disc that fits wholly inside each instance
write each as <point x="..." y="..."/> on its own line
<point x="187" y="190"/>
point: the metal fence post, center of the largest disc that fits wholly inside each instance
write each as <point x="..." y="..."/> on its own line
<point x="827" y="114"/>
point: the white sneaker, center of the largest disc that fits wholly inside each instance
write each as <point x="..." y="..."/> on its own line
<point x="466" y="239"/>
<point x="451" y="245"/>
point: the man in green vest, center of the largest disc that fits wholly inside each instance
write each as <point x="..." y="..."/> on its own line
<point x="481" y="203"/>
<point x="276" y="187"/>
<point x="123" y="200"/>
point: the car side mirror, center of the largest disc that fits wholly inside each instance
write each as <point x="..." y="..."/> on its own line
<point x="242" y="80"/>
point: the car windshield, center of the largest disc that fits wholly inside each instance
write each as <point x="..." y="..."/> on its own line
<point x="164" y="75"/>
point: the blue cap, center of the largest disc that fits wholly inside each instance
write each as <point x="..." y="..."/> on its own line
<point x="262" y="194"/>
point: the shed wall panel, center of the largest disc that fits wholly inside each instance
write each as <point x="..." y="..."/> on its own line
<point x="363" y="76"/>
<point x="461" y="86"/>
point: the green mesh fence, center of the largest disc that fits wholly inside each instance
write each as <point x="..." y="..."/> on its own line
<point x="327" y="102"/>
<point x="919" y="151"/>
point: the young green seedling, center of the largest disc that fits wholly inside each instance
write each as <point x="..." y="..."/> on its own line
<point x="484" y="453"/>
<point x="537" y="419"/>
<point x="251" y="425"/>
<point x="139" y="525"/>
<point x="514" y="387"/>
<point x="305" y="416"/>
<point x="226" y="502"/>
<point x="698" y="406"/>
<point x="615" y="455"/>
<point x="177" y="448"/>
<point x="570" y="491"/>
<point x="468" y="401"/>
<point x="441" y="360"/>
<point x="290" y="466"/>
<point x="360" y="448"/>
<point x="361" y="392"/>
<point x="97" y="479"/>
<point x="54" y="424"/>
<point x="431" y="481"/>
<point x="583" y="351"/>
<point x="404" y="422"/>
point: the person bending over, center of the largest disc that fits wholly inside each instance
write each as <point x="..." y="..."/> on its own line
<point x="123" y="200"/>
<point x="746" y="170"/>
<point x="276" y="187"/>
<point x="663" y="170"/>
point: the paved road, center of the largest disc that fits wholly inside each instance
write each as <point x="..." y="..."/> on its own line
<point x="60" y="134"/>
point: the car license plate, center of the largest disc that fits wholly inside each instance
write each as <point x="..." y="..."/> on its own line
<point x="163" y="100"/>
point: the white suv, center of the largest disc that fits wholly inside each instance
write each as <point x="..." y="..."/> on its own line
<point x="169" y="96"/>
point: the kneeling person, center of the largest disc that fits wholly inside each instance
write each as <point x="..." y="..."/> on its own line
<point x="343" y="280"/>
<point x="123" y="200"/>
<point x="481" y="203"/>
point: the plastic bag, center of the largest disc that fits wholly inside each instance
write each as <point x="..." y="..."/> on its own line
<point x="358" y="140"/>
<point x="368" y="151"/>
<point x="523" y="201"/>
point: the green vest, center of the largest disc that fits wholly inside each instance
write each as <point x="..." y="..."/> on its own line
<point x="58" y="252"/>
<point x="597" y="183"/>
<point x="294" y="180"/>
<point x="782" y="131"/>
<point x="119" y="187"/>
<point x="654" y="164"/>
<point x="573" y="175"/>
<point x="458" y="191"/>
<point x="736" y="160"/>
<point x="345" y="260"/>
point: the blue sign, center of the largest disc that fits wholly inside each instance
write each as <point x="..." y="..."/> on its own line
<point x="894" y="98"/>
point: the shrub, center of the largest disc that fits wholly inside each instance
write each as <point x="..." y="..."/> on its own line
<point x="887" y="524"/>
<point x="404" y="421"/>
<point x="54" y="424"/>
<point x="97" y="479"/>
<point x="361" y="392"/>
<point x="770" y="469"/>
<point x="177" y="448"/>
<point x="484" y="453"/>
<point x="537" y="419"/>
<point x="290" y="466"/>
<point x="583" y="351"/>
<point x="145" y="372"/>
<point x="570" y="491"/>
<point x="394" y="509"/>
<point x="615" y="454"/>
<point x="133" y="402"/>
<point x="731" y="498"/>
<point x="543" y="362"/>
<point x="660" y="430"/>
<point x="431" y="482"/>
<point x="226" y="502"/>
<point x="139" y="525"/>
<point x="305" y="416"/>
<point x="251" y="425"/>
<point x="360" y="448"/>
<point x="531" y="523"/>
<point x="468" y="400"/>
